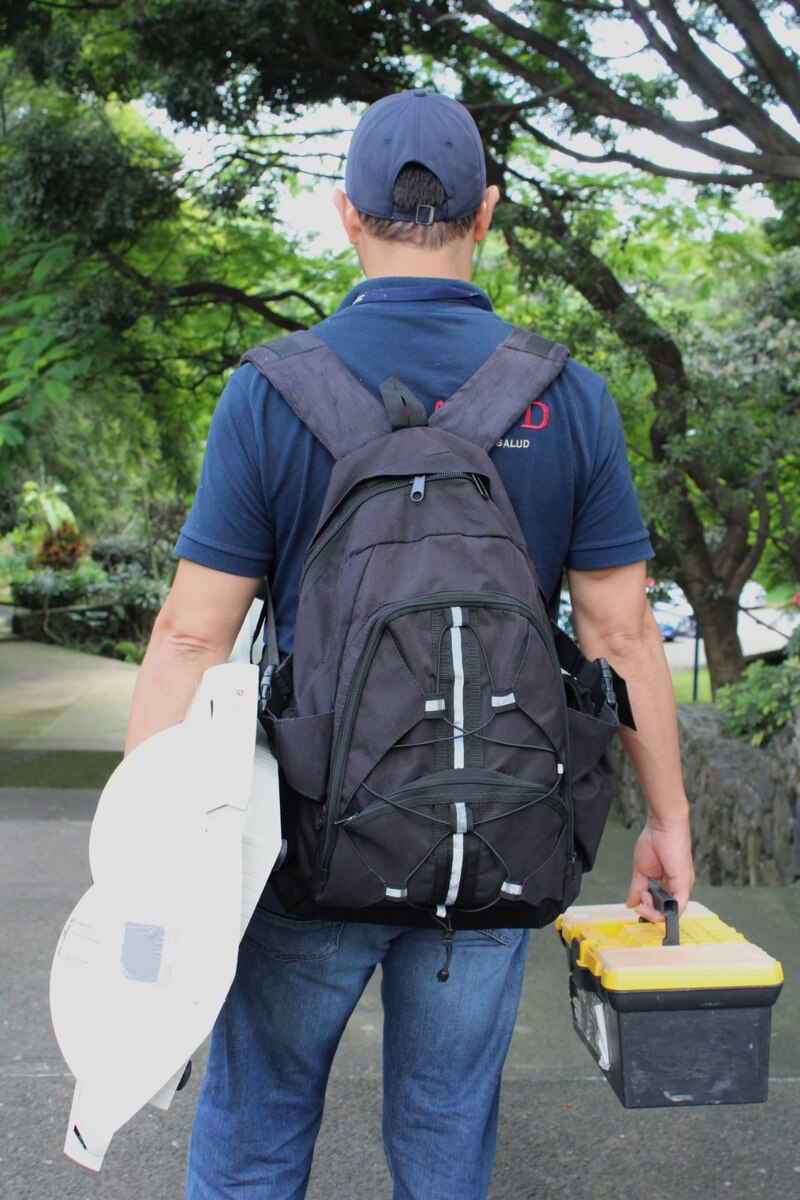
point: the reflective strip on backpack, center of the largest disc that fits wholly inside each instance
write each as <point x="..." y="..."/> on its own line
<point x="457" y="839"/>
<point x="458" y="687"/>
<point x="457" y="864"/>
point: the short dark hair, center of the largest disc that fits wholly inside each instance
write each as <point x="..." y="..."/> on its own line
<point x="417" y="185"/>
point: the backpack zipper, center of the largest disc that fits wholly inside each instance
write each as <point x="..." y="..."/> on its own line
<point x="349" y="710"/>
<point x="524" y="794"/>
<point x="414" y="484"/>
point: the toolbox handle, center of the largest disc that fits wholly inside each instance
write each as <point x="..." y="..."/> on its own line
<point x="668" y="905"/>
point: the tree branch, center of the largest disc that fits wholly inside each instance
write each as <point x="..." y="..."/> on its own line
<point x="598" y="98"/>
<point x="82" y="6"/>
<point x="777" y="68"/>
<point x="211" y="290"/>
<point x="367" y="86"/>
<point x="705" y="79"/>
<point x="737" y="557"/>
<point x="724" y="178"/>
<point x="596" y="282"/>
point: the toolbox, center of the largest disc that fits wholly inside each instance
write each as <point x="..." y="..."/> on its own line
<point x="674" y="1013"/>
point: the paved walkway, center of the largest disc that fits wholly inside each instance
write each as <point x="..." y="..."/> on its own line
<point x="563" y="1133"/>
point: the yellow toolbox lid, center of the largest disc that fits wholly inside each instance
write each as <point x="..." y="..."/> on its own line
<point x="626" y="955"/>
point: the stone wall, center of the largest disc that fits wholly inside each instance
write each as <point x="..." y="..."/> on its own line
<point x="745" y="800"/>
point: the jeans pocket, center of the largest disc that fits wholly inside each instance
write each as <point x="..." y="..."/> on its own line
<point x="291" y="940"/>
<point x="502" y="937"/>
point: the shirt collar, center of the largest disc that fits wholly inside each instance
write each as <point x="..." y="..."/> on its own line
<point x="419" y="288"/>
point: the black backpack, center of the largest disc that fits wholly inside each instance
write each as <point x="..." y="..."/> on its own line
<point x="440" y="742"/>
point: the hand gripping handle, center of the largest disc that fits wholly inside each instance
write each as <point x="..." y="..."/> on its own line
<point x="668" y="905"/>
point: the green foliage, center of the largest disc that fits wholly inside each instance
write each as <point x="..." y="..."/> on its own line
<point x="68" y="173"/>
<point x="129" y="652"/>
<point x="130" y="282"/>
<point x="555" y="65"/>
<point x="124" y="301"/>
<point x="132" y="586"/>
<point x="43" y="506"/>
<point x="766" y="699"/>
<point x="784" y="230"/>
<point x="49" y="587"/>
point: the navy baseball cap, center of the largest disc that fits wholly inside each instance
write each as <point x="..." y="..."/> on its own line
<point x="416" y="127"/>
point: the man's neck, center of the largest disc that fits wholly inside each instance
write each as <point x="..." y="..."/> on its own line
<point x="388" y="259"/>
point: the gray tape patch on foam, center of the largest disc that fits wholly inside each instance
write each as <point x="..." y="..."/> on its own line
<point x="142" y="946"/>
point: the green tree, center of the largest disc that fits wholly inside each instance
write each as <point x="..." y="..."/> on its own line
<point x="563" y="66"/>
<point x="539" y="74"/>
<point x="124" y="299"/>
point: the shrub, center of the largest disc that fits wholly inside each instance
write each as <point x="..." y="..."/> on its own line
<point x="61" y="548"/>
<point x="129" y="652"/>
<point x="112" y="552"/>
<point x="50" y="588"/>
<point x="765" y="700"/>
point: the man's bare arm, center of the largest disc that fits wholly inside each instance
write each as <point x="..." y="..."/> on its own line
<point x="613" y="619"/>
<point x="195" y="630"/>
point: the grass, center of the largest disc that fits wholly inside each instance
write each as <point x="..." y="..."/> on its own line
<point x="683" y="685"/>
<point x="57" y="768"/>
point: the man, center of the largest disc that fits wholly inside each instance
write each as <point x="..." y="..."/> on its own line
<point x="415" y="206"/>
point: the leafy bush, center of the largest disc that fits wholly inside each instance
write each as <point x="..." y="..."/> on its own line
<point x="51" y="588"/>
<point x="113" y="552"/>
<point x="126" y="651"/>
<point x="43" y="506"/>
<point x="133" y="586"/>
<point x="61" y="548"/>
<point x="765" y="700"/>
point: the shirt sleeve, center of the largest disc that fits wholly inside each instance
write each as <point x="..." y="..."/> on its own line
<point x="608" y="530"/>
<point x="228" y="527"/>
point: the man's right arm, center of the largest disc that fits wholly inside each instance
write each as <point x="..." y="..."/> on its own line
<point x="195" y="630"/>
<point x="613" y="619"/>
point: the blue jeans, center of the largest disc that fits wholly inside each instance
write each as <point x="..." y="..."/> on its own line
<point x="297" y="983"/>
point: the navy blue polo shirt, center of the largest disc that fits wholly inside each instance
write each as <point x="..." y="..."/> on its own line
<point x="264" y="475"/>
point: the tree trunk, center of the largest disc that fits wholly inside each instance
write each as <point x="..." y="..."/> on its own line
<point x="718" y="620"/>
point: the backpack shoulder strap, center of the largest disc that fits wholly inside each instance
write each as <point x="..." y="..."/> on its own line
<point x="338" y="410"/>
<point x="513" y="376"/>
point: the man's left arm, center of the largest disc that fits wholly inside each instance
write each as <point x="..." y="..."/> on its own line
<point x="195" y="629"/>
<point x="613" y="620"/>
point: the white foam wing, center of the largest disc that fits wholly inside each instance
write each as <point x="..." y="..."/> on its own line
<point x="185" y="835"/>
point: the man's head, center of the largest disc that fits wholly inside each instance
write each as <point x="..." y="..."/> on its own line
<point x="416" y="175"/>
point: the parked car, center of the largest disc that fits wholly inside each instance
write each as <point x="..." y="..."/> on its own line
<point x="670" y="601"/>
<point x="565" y="620"/>
<point x="752" y="595"/>
<point x="666" y="621"/>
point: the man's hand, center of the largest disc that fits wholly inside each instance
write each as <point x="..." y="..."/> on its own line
<point x="663" y="852"/>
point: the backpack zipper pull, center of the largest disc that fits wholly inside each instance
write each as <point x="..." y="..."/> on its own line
<point x="442" y="916"/>
<point x="418" y="488"/>
<point x="480" y="485"/>
<point x="447" y="941"/>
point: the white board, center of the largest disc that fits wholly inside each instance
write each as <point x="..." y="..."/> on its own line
<point x="185" y="835"/>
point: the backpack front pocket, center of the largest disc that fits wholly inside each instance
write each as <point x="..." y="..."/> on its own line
<point x="452" y="839"/>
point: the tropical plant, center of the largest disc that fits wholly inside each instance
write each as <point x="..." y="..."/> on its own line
<point x="765" y="700"/>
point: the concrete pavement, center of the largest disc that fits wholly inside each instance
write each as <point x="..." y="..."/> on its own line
<point x="563" y="1133"/>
